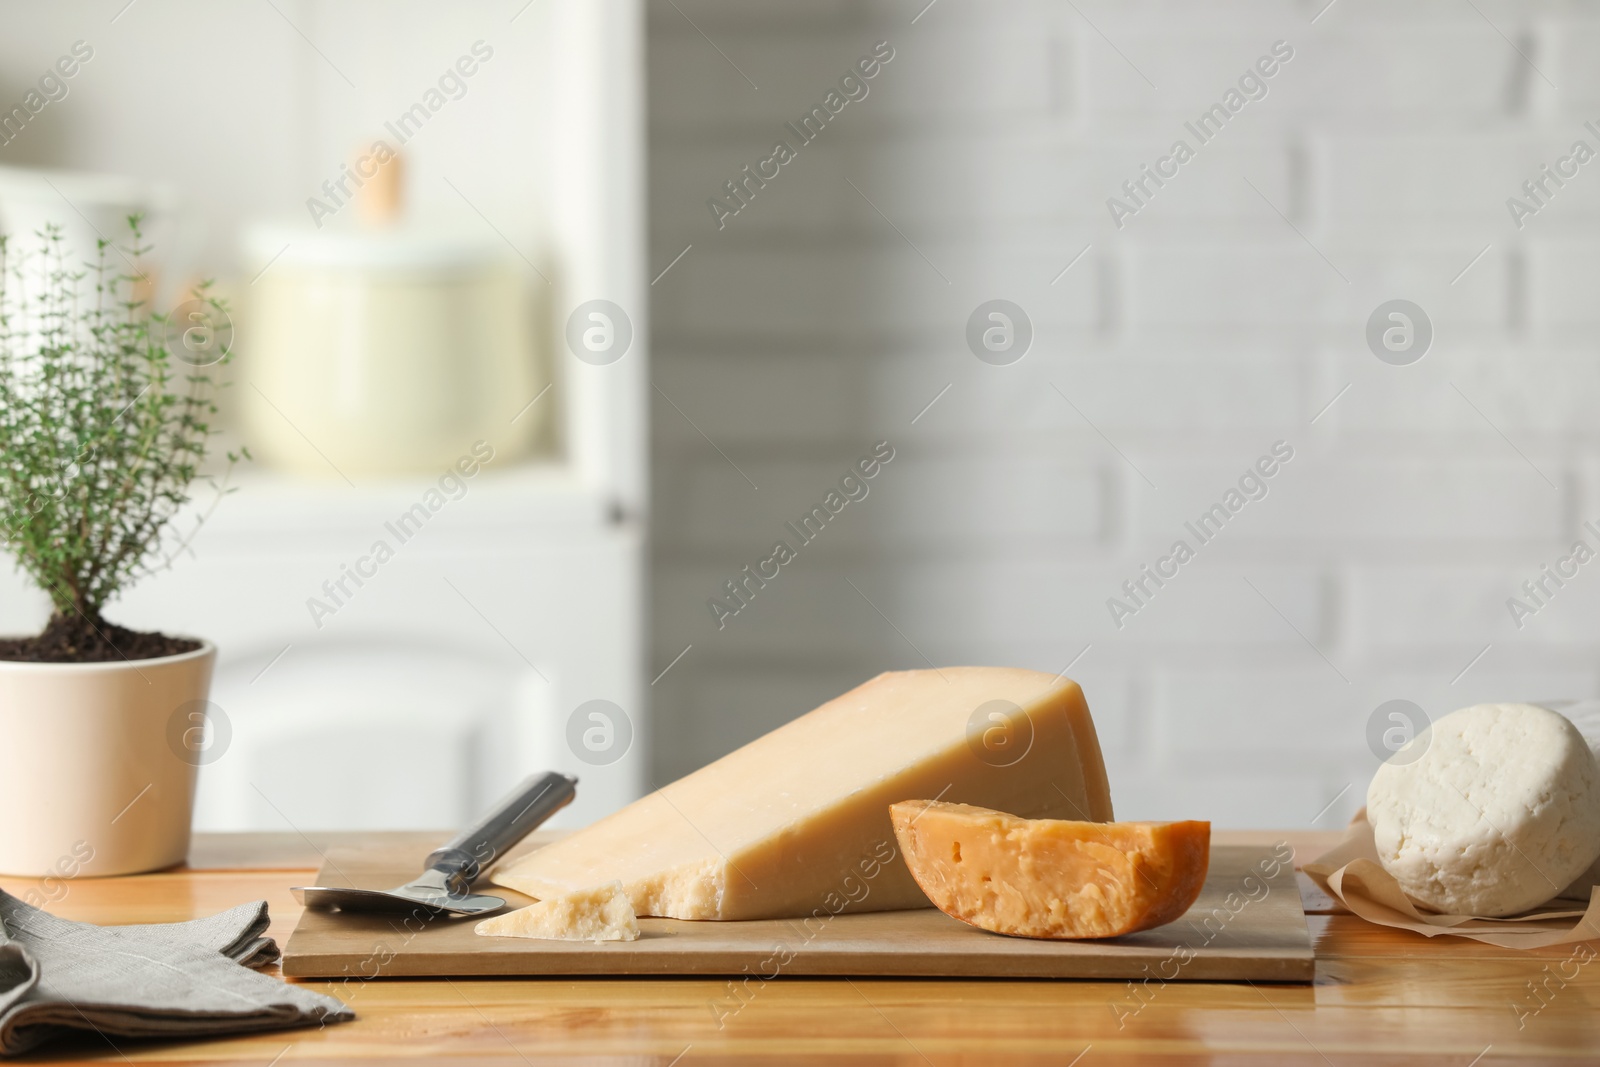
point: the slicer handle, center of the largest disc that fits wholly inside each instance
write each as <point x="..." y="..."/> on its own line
<point x="513" y="818"/>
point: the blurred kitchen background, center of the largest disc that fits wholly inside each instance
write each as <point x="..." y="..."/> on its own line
<point x="594" y="211"/>
<point x="375" y="347"/>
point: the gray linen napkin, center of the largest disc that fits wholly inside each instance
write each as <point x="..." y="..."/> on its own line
<point x="156" y="980"/>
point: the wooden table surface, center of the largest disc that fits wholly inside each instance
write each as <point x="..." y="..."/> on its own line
<point x="1381" y="996"/>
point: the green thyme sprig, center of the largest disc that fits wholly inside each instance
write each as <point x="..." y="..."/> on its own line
<point x="102" y="430"/>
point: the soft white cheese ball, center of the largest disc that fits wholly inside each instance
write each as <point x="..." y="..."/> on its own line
<point x="1499" y="813"/>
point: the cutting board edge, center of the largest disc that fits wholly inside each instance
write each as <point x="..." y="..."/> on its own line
<point x="1267" y="966"/>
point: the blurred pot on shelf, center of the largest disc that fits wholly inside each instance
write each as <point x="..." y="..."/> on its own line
<point x="385" y="349"/>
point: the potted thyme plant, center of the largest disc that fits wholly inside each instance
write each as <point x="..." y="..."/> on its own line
<point x="105" y="420"/>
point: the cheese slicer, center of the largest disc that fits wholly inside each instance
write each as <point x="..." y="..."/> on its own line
<point x="445" y="886"/>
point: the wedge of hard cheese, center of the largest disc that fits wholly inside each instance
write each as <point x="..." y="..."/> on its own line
<point x="598" y="914"/>
<point x="1052" y="878"/>
<point x="797" y="821"/>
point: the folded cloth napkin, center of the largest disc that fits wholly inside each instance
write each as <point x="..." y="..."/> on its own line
<point x="157" y="980"/>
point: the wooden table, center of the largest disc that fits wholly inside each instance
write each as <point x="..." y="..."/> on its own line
<point x="1381" y="996"/>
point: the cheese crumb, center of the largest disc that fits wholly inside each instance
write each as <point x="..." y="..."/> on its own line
<point x="601" y="913"/>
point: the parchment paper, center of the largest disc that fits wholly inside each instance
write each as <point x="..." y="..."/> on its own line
<point x="1351" y="874"/>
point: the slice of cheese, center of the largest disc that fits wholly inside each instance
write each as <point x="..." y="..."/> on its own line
<point x="601" y="913"/>
<point x="1052" y="878"/>
<point x="797" y="821"/>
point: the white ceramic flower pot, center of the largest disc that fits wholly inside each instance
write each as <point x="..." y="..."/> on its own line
<point x="101" y="762"/>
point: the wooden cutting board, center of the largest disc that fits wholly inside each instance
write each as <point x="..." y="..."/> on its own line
<point x="1246" y="925"/>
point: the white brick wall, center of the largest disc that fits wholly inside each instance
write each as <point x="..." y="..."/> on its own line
<point x="1188" y="341"/>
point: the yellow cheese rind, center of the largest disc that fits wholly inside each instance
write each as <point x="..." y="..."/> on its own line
<point x="797" y="821"/>
<point x="601" y="913"/>
<point x="1052" y="878"/>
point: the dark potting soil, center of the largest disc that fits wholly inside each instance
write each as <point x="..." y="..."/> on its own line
<point x="74" y="639"/>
